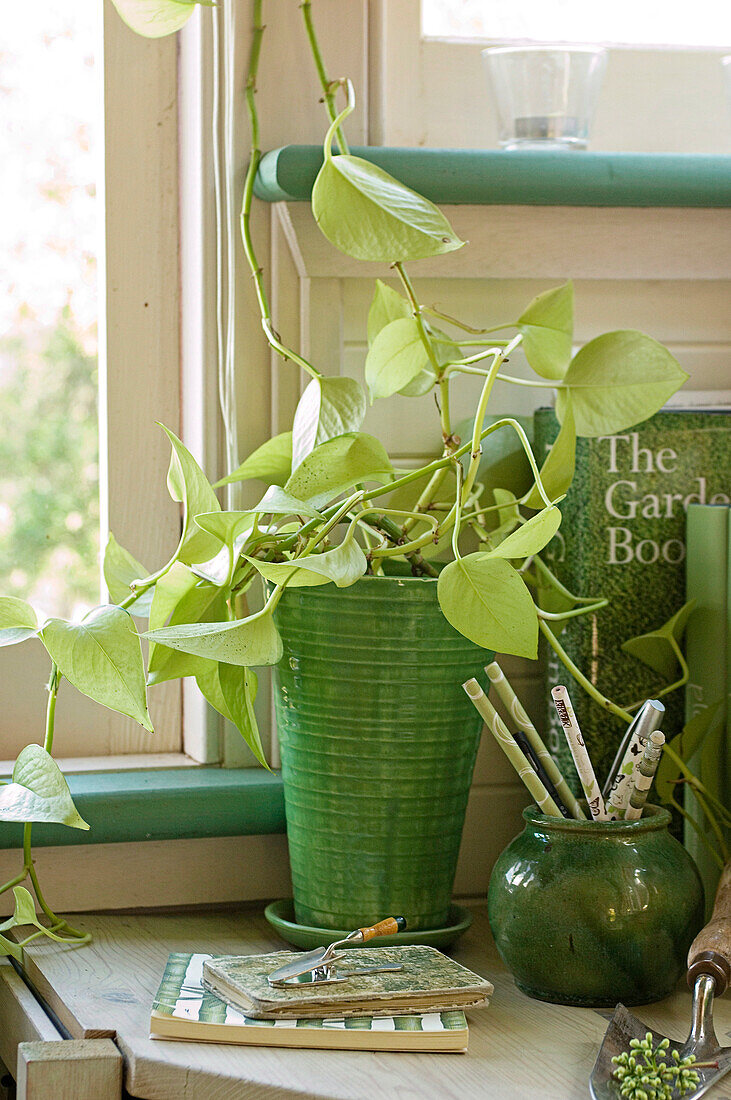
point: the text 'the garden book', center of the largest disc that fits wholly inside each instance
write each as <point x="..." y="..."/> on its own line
<point x="623" y="538"/>
<point x="184" y="1010"/>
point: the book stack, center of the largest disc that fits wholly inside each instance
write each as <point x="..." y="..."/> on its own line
<point x="708" y="652"/>
<point x="623" y="537"/>
<point x="185" y="1009"/>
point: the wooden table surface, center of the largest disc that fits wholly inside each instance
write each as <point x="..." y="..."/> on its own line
<point x="519" y="1047"/>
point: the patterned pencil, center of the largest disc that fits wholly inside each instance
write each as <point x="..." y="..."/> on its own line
<point x="507" y="743"/>
<point x="646" y="720"/>
<point x="644" y="774"/>
<point x="565" y="711"/>
<point x="518" y="714"/>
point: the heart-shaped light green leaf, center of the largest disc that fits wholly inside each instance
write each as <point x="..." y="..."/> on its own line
<point x="17" y="621"/>
<point x="120" y="570"/>
<point x="25" y="910"/>
<point x="38" y="791"/>
<point x="278" y="502"/>
<point x="187" y="483"/>
<point x="617" y="380"/>
<point x="231" y="690"/>
<point x="101" y="656"/>
<point x="329" y="407"/>
<point x="396" y="357"/>
<point x="225" y="526"/>
<point x="155" y="18"/>
<point x="486" y="600"/>
<point x="7" y="947"/>
<point x="337" y="465"/>
<point x="658" y="649"/>
<point x="238" y="688"/>
<point x="547" y="325"/>
<point x="685" y="745"/>
<point x="387" y="305"/>
<point x="531" y="537"/>
<point x="272" y="462"/>
<point x="25" y="913"/>
<point x="181" y="597"/>
<point x="343" y="565"/>
<point x="557" y="471"/>
<point x="368" y="214"/>
<point x="252" y="641"/>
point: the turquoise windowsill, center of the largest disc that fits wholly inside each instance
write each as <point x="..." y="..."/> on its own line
<point x="496" y="177"/>
<point x="165" y="804"/>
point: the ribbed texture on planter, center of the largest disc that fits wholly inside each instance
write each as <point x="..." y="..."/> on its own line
<point x="378" y="743"/>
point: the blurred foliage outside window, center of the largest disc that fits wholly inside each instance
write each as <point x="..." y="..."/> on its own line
<point x="49" y="436"/>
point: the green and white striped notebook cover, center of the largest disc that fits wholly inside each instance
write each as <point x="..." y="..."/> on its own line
<point x="183" y="1009"/>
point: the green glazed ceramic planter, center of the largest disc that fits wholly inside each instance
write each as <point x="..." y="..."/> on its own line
<point x="592" y="913"/>
<point x="378" y="743"/>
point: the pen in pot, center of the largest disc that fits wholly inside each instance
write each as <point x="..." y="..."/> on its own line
<point x="529" y="753"/>
<point x="508" y="744"/>
<point x="524" y="724"/>
<point x="617" y="792"/>
<point x="644" y="774"/>
<point x="565" y="711"/>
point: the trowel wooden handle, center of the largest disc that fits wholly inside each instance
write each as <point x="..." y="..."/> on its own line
<point x="388" y="927"/>
<point x="710" y="952"/>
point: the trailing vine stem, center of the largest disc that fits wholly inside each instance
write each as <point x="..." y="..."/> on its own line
<point x="245" y="218"/>
<point x="328" y="87"/>
<point x="29" y="871"/>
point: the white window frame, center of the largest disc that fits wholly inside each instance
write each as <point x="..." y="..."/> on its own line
<point x="139" y="372"/>
<point x="434" y="92"/>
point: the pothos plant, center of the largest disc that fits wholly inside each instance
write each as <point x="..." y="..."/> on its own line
<point x="335" y="507"/>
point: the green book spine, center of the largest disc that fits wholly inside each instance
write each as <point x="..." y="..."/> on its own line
<point x="706" y="648"/>
<point x="623" y="537"/>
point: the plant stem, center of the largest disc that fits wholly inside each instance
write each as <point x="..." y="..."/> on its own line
<point x="460" y="324"/>
<point x="245" y="218"/>
<point x="53" y="685"/>
<point x="447" y="437"/>
<point x="587" y="685"/>
<point x="531" y="382"/>
<point x="416" y="310"/>
<point x="327" y="86"/>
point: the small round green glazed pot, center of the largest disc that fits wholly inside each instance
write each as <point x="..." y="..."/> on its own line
<point x="378" y="743"/>
<point x="591" y="913"/>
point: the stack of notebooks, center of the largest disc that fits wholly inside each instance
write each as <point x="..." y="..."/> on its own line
<point x="187" y="1009"/>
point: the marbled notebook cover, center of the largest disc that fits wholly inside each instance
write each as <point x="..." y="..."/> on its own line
<point x="429" y="981"/>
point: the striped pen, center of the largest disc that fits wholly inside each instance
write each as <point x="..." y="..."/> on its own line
<point x="517" y="712"/>
<point x="508" y="744"/>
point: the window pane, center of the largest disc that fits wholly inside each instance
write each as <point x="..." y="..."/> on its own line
<point x="624" y="22"/>
<point x="49" y="493"/>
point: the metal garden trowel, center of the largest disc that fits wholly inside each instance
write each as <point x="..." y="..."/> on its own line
<point x="709" y="974"/>
<point x="319" y="967"/>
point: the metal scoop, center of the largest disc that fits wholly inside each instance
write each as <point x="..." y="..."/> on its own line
<point x="319" y="967"/>
<point x="709" y="974"/>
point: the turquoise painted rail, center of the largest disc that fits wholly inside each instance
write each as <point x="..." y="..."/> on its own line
<point x="495" y="177"/>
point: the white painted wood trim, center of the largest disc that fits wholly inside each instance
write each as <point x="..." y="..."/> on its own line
<point x="435" y="92"/>
<point x="22" y="1019"/>
<point x="545" y="242"/>
<point x="132" y="762"/>
<point x="151" y="874"/>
